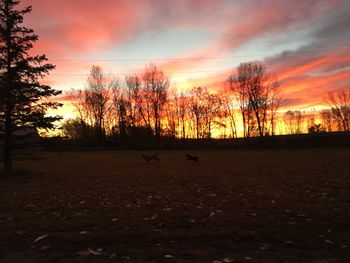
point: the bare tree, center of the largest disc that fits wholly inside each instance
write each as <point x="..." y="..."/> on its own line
<point x="133" y="95"/>
<point x="229" y="113"/>
<point x="170" y="115"/>
<point x="98" y="97"/>
<point x="293" y="121"/>
<point x="74" y="128"/>
<point x="197" y="106"/>
<point x="93" y="104"/>
<point x="339" y="102"/>
<point x="156" y="85"/>
<point x="205" y="109"/>
<point x="182" y="111"/>
<point x="257" y="94"/>
<point x="239" y="88"/>
<point x="120" y="105"/>
<point x="213" y="114"/>
<point x="327" y="119"/>
<point x="275" y="102"/>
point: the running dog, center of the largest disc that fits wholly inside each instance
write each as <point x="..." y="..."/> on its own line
<point x="149" y="158"/>
<point x="192" y="158"/>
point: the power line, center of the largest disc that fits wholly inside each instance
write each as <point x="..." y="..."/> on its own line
<point x="176" y="72"/>
<point x="142" y="72"/>
<point x="291" y="53"/>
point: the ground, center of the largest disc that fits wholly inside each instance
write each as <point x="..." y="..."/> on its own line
<point x="231" y="206"/>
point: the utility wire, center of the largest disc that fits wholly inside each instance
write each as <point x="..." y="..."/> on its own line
<point x="290" y="53"/>
<point x="175" y="72"/>
<point x="136" y="73"/>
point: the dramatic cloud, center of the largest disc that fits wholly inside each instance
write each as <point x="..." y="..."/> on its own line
<point x="323" y="64"/>
<point x="304" y="43"/>
<point x="75" y="27"/>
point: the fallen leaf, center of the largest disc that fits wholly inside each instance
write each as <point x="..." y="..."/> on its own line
<point x="154" y="217"/>
<point x="89" y="252"/>
<point x="40" y="238"/>
<point x="84" y="253"/>
<point x="111" y="256"/>
<point x="21" y="232"/>
<point x="44" y="248"/>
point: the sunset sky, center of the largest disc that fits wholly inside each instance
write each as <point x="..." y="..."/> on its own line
<point x="306" y="44"/>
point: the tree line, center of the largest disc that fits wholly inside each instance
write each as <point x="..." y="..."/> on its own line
<point x="146" y="106"/>
<point x="335" y="117"/>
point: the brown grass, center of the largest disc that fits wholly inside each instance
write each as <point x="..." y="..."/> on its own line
<point x="251" y="206"/>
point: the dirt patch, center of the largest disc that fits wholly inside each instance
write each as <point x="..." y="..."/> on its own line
<point x="252" y="206"/>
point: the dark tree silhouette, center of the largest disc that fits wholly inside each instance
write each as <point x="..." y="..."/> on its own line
<point x="22" y="100"/>
<point x="229" y="110"/>
<point x="205" y="107"/>
<point x="121" y="106"/>
<point x="97" y="98"/>
<point x="170" y="115"/>
<point x="327" y="119"/>
<point x="293" y="121"/>
<point x="156" y="85"/>
<point x="74" y="128"/>
<point x="94" y="104"/>
<point x="133" y="95"/>
<point x="339" y="102"/>
<point x="182" y="112"/>
<point x="198" y="108"/>
<point x="239" y="88"/>
<point x="316" y="128"/>
<point x="257" y="96"/>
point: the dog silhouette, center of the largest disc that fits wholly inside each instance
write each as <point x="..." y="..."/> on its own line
<point x="149" y="158"/>
<point x="192" y="158"/>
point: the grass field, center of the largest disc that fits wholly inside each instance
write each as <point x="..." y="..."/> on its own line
<point x="232" y="206"/>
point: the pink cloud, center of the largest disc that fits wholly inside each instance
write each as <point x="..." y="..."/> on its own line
<point x="69" y="27"/>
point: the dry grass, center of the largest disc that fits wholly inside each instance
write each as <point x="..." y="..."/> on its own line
<point x="251" y="206"/>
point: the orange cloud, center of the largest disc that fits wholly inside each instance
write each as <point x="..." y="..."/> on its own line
<point x="69" y="28"/>
<point x="86" y="28"/>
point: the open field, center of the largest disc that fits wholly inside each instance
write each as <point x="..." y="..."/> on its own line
<point x="250" y="206"/>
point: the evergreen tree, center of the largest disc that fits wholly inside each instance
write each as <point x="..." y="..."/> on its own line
<point x="23" y="100"/>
